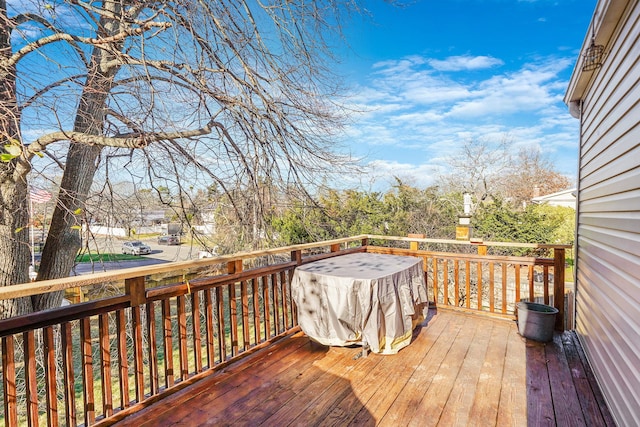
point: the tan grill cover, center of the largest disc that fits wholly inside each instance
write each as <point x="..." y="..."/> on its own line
<point x="358" y="297"/>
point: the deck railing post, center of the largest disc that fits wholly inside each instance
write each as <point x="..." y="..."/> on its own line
<point x="558" y="286"/>
<point x="135" y="288"/>
<point x="296" y="256"/>
<point x="234" y="266"/>
<point x="414" y="246"/>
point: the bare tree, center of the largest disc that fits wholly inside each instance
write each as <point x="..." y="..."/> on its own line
<point x="531" y="173"/>
<point x="477" y="168"/>
<point x="168" y="93"/>
<point x="485" y="170"/>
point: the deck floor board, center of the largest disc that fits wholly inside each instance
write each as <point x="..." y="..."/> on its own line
<point x="460" y="369"/>
<point x="487" y="395"/>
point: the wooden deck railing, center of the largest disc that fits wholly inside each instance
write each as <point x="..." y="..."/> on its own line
<point x="95" y="362"/>
<point x="490" y="283"/>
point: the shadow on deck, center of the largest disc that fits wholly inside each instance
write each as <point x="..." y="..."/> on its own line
<point x="461" y="369"/>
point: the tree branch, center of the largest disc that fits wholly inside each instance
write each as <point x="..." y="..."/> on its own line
<point x="130" y="140"/>
<point x="53" y="38"/>
<point x="52" y="86"/>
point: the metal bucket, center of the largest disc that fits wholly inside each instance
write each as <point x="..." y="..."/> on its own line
<point x="536" y="321"/>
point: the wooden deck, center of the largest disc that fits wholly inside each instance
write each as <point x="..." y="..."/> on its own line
<point x="461" y="369"/>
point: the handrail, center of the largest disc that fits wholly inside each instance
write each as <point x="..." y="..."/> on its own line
<point x="472" y="242"/>
<point x="53" y="285"/>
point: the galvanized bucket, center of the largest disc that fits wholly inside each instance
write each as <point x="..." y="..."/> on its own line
<point x="536" y="321"/>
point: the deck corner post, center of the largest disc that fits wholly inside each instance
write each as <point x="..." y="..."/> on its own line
<point x="558" y="286"/>
<point x="135" y="288"/>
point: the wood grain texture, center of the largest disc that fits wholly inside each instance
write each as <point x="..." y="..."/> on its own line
<point x="460" y="369"/>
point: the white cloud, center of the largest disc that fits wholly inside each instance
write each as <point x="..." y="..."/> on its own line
<point x="465" y="62"/>
<point x="414" y="116"/>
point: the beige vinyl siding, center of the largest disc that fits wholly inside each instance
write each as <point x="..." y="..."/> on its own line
<point x="608" y="233"/>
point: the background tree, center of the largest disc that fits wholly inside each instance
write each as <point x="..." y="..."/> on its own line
<point x="531" y="172"/>
<point x="167" y="93"/>
<point x="491" y="171"/>
<point x="477" y="168"/>
<point x="422" y="211"/>
<point x="401" y="210"/>
<point x="498" y="221"/>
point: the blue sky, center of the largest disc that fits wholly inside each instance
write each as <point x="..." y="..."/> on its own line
<point x="436" y="73"/>
<point x="431" y="75"/>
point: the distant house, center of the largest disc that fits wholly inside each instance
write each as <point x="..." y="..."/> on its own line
<point x="152" y="216"/>
<point x="603" y="94"/>
<point x="561" y="198"/>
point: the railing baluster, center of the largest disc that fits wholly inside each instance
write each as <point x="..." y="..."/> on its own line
<point x="138" y="365"/>
<point x="274" y="293"/>
<point x="9" y="382"/>
<point x="434" y="289"/>
<point x="467" y="278"/>
<point x="233" y="318"/>
<point x="167" y="328"/>
<point x="256" y="309"/>
<point x="434" y="268"/>
<point x="208" y="305"/>
<point x="222" y="342"/>
<point x="492" y="295"/>
<point x="66" y="341"/>
<point x="479" y="278"/>
<point x="504" y="287"/>
<point x="152" y="348"/>
<point x="50" y="376"/>
<point x="245" y="315"/>
<point x="105" y="363"/>
<point x="456" y="283"/>
<point x="30" y="379"/>
<point x="545" y="283"/>
<point x="531" y="285"/>
<point x="182" y="338"/>
<point x="87" y="371"/>
<point x="517" y="274"/>
<point x="197" y="336"/>
<point x="123" y="359"/>
<point x="286" y="299"/>
<point x="294" y="308"/>
<point x="265" y="299"/>
<point x="445" y="281"/>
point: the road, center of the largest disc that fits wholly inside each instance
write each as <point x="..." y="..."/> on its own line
<point x="159" y="254"/>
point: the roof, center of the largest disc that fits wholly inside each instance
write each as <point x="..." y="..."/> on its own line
<point x="561" y="198"/>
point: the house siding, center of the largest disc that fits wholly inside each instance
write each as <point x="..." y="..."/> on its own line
<point x="608" y="212"/>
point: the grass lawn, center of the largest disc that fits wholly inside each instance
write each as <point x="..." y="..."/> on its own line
<point x="105" y="257"/>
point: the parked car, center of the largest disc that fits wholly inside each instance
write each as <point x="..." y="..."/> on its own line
<point x="135" y="247"/>
<point x="168" y="239"/>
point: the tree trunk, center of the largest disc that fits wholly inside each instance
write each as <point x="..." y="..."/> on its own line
<point x="14" y="246"/>
<point x="63" y="241"/>
<point x="14" y="264"/>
